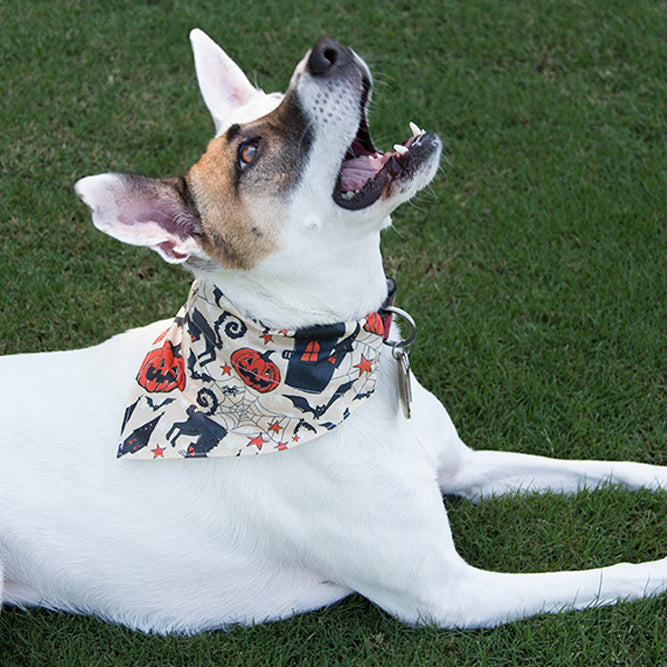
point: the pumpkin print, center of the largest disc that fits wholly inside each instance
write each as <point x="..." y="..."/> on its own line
<point x="162" y="370"/>
<point x="256" y="369"/>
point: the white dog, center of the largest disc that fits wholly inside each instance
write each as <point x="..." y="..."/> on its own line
<point x="282" y="351"/>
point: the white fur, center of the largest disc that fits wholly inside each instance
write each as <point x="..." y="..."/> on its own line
<point x="186" y="546"/>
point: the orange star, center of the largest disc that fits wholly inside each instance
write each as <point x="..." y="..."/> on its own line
<point x="275" y="427"/>
<point x="258" y="441"/>
<point x="226" y="370"/>
<point x="267" y="338"/>
<point x="280" y="446"/>
<point x="364" y="365"/>
<point x="158" y="451"/>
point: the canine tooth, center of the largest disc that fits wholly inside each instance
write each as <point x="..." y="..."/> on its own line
<point x="400" y="149"/>
<point x="415" y="129"/>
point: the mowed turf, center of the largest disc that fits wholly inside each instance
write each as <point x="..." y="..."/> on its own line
<point x="535" y="266"/>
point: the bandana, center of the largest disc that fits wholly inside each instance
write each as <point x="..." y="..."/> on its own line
<point x="218" y="384"/>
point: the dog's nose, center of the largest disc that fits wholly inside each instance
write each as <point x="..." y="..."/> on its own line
<point x="328" y="56"/>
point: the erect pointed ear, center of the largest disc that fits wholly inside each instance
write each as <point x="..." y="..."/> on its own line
<point x="157" y="213"/>
<point x="222" y="83"/>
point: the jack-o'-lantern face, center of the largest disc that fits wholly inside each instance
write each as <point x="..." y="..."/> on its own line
<point x="162" y="370"/>
<point x="256" y="369"/>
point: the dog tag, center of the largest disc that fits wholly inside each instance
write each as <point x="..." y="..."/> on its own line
<point x="400" y="350"/>
<point x="403" y="375"/>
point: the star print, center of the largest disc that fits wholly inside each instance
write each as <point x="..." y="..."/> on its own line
<point x="275" y="427"/>
<point x="267" y="338"/>
<point x="258" y="441"/>
<point x="226" y="370"/>
<point x="158" y="451"/>
<point x="295" y="438"/>
<point x="281" y="446"/>
<point x="364" y="365"/>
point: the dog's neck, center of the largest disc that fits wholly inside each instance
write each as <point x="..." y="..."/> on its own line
<point x="312" y="293"/>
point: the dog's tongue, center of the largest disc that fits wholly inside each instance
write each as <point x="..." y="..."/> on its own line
<point x="356" y="172"/>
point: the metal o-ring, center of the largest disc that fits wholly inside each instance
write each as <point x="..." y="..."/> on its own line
<point x="405" y="342"/>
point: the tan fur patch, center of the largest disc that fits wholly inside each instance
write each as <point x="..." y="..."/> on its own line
<point x="242" y="209"/>
<point x="230" y="235"/>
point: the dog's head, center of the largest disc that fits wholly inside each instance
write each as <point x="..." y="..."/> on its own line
<point x="289" y="185"/>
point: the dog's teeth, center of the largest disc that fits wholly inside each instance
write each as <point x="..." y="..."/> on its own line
<point x="400" y="149"/>
<point x="415" y="129"/>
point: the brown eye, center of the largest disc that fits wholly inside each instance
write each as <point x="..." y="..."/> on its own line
<point x="247" y="153"/>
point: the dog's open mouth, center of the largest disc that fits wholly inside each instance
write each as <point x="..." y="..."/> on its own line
<point x="366" y="173"/>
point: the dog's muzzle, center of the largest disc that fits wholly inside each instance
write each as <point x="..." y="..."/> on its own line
<point x="366" y="174"/>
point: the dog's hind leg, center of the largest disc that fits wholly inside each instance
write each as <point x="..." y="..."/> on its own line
<point x="481" y="474"/>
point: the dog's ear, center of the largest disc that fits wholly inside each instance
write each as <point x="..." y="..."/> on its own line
<point x="157" y="213"/>
<point x="222" y="83"/>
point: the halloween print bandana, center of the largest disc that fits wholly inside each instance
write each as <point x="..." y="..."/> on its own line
<point x="218" y="384"/>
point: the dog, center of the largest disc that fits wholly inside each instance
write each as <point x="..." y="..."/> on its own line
<point x="279" y="221"/>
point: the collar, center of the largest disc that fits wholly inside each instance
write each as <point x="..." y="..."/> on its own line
<point x="219" y="384"/>
<point x="385" y="311"/>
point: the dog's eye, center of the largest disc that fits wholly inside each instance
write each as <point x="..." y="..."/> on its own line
<point x="247" y="152"/>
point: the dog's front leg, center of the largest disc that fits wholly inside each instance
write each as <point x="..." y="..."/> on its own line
<point x="478" y="474"/>
<point x="491" y="473"/>
<point x="404" y="560"/>
<point x="473" y="598"/>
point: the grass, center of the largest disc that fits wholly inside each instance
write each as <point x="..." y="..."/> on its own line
<point x="536" y="270"/>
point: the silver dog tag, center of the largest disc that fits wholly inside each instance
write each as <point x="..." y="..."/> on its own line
<point x="400" y="350"/>
<point x="403" y="375"/>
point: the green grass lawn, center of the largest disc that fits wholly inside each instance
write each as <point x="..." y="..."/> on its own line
<point x="535" y="265"/>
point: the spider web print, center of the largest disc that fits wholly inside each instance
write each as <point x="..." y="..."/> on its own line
<point x="243" y="410"/>
<point x="216" y="384"/>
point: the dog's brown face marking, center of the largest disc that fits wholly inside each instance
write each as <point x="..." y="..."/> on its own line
<point x="242" y="181"/>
